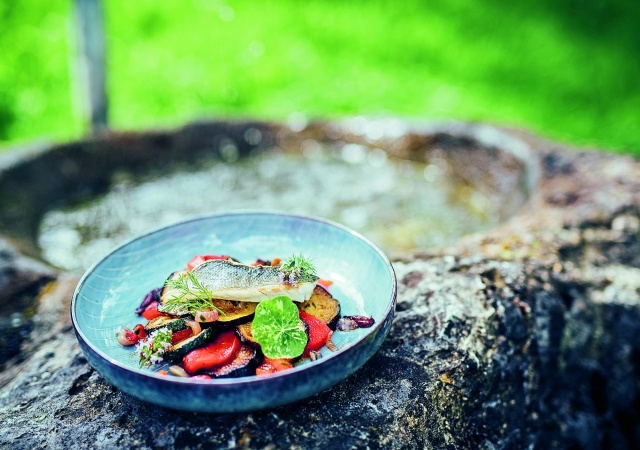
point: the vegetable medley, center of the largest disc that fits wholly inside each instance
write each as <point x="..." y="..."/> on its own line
<point x="221" y="318"/>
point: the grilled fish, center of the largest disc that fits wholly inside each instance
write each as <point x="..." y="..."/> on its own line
<point x="229" y="280"/>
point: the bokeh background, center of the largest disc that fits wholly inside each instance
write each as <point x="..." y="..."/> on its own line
<point x="566" y="69"/>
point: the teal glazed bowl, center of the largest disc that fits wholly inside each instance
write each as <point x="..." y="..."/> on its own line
<point x="106" y="297"/>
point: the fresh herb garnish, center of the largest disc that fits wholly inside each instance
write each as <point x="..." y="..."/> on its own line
<point x="297" y="269"/>
<point x="153" y="347"/>
<point x="189" y="297"/>
<point x="278" y="329"/>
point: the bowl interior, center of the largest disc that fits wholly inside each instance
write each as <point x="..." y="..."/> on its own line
<point x="363" y="279"/>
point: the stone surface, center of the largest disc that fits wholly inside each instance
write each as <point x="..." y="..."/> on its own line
<point x="524" y="337"/>
<point x="21" y="280"/>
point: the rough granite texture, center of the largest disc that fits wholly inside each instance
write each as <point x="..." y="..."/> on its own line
<point x="524" y="337"/>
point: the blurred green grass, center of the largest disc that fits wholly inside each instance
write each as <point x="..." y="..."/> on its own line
<point x="568" y="70"/>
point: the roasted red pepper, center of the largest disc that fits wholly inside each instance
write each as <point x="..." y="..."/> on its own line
<point x="139" y="331"/>
<point x="151" y="311"/>
<point x="179" y="336"/>
<point x="318" y="333"/>
<point x="270" y="366"/>
<point x="219" y="352"/>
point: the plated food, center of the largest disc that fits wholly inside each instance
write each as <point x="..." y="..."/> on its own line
<point x="109" y="293"/>
<point x="220" y="318"/>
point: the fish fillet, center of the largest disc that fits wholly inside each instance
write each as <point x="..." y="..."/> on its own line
<point x="234" y="281"/>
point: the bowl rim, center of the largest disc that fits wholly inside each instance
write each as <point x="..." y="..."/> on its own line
<point x="217" y="383"/>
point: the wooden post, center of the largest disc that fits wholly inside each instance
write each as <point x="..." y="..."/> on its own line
<point x="91" y="47"/>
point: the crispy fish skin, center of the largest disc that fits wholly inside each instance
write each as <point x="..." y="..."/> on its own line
<point x="229" y="280"/>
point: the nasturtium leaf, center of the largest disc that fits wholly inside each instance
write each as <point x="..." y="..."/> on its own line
<point x="278" y="329"/>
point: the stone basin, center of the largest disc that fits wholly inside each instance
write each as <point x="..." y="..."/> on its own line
<point x="406" y="188"/>
<point x="518" y="311"/>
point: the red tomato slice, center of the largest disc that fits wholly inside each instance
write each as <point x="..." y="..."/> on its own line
<point x="270" y="366"/>
<point x="197" y="260"/>
<point x="318" y="333"/>
<point x="179" y="336"/>
<point x="219" y="352"/>
<point x="151" y="311"/>
<point x="325" y="283"/>
<point x="139" y="331"/>
<point x="209" y="257"/>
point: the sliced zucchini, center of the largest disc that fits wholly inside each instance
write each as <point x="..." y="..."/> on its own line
<point x="165" y="322"/>
<point x="323" y="306"/>
<point x="180" y="350"/>
<point x="235" y="312"/>
<point x="243" y="364"/>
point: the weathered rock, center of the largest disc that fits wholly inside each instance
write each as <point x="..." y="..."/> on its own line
<point x="21" y="279"/>
<point x="524" y="337"/>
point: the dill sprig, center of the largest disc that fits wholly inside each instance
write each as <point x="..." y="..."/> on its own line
<point x="190" y="297"/>
<point x="297" y="269"/>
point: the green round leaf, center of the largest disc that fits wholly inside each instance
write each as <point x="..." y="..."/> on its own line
<point x="278" y="329"/>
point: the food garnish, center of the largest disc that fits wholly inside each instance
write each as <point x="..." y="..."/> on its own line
<point x="153" y="347"/>
<point x="278" y="329"/>
<point x="297" y="269"/>
<point x="188" y="296"/>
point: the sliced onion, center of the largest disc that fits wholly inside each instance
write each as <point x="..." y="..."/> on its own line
<point x="330" y="345"/>
<point x="152" y="296"/>
<point x="195" y="326"/>
<point x="206" y="315"/>
<point x="126" y="337"/>
<point x="201" y="377"/>
<point x="362" y="321"/>
<point x="346" y="324"/>
<point x="179" y="371"/>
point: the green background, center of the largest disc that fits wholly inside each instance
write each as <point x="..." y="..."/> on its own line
<point x="566" y="69"/>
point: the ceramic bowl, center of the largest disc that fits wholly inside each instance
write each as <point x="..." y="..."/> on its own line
<point x="105" y="299"/>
